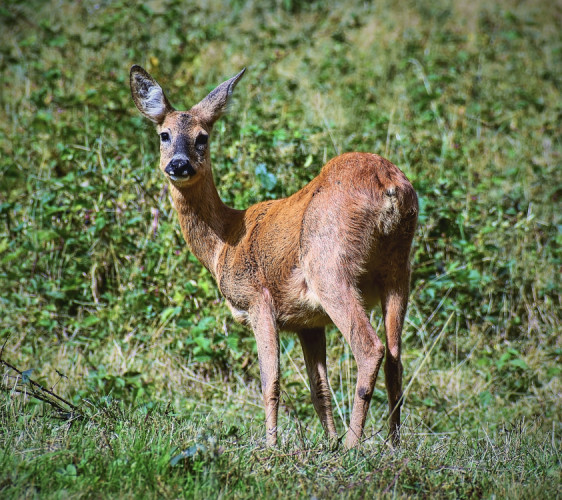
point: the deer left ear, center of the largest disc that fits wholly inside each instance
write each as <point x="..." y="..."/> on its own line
<point x="149" y="96"/>
<point x="215" y="104"/>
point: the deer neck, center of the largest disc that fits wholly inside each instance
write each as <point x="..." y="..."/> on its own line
<point x="204" y="220"/>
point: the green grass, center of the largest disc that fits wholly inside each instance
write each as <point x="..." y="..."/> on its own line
<point x="96" y="283"/>
<point x="136" y="453"/>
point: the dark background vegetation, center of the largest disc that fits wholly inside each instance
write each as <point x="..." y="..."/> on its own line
<point x="101" y="299"/>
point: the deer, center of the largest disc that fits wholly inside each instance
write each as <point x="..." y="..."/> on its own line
<point x="325" y="255"/>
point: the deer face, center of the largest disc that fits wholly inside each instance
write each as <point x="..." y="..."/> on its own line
<point x="184" y="148"/>
<point x="184" y="135"/>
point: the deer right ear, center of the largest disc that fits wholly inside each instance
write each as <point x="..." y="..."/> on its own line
<point x="149" y="96"/>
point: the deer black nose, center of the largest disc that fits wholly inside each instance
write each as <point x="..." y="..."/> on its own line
<point x="179" y="167"/>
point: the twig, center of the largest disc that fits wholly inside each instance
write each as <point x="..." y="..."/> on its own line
<point x="29" y="386"/>
<point x="38" y="385"/>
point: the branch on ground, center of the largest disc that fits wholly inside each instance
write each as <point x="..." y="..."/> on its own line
<point x="24" y="384"/>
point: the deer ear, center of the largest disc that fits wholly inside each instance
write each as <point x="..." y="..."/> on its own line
<point x="215" y="104"/>
<point x="149" y="96"/>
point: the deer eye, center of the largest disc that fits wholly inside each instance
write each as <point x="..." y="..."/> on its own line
<point x="201" y="140"/>
<point x="164" y="137"/>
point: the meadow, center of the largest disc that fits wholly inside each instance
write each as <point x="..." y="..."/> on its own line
<point x="147" y="387"/>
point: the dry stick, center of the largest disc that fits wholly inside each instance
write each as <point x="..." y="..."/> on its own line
<point x="35" y="395"/>
<point x="38" y="385"/>
<point x="37" y="390"/>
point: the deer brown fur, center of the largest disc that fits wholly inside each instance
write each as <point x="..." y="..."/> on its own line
<point x="323" y="255"/>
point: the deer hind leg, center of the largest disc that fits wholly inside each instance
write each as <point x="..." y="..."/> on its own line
<point x="313" y="343"/>
<point x="394" y="299"/>
<point x="341" y="302"/>
<point x="267" y="339"/>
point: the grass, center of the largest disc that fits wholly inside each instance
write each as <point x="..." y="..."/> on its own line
<point x="102" y="301"/>
<point x="136" y="453"/>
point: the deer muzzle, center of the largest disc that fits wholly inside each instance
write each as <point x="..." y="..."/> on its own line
<point x="179" y="168"/>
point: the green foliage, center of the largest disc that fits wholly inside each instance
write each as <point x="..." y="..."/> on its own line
<point x="96" y="282"/>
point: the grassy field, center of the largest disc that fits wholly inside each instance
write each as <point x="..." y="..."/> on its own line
<point x="101" y="302"/>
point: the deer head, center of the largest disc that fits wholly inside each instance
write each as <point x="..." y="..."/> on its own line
<point x="184" y="135"/>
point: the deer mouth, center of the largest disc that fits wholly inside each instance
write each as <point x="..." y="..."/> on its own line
<point x="179" y="177"/>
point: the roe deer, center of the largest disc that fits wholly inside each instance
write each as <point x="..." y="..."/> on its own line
<point x="340" y="244"/>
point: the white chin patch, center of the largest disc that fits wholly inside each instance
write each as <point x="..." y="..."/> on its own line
<point x="178" y="177"/>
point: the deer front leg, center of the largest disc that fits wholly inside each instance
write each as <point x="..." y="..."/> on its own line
<point x="267" y="339"/>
